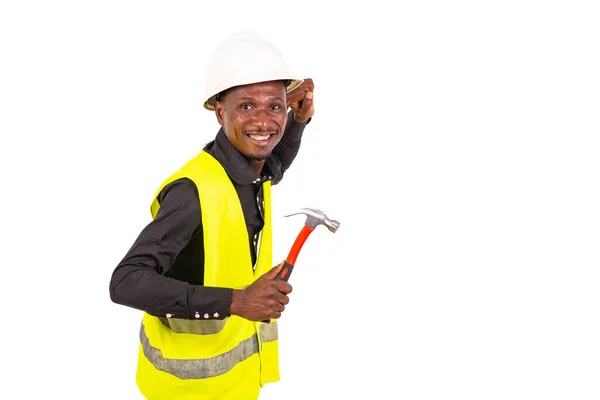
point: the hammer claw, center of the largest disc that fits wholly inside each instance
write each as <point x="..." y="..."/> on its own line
<point x="316" y="217"/>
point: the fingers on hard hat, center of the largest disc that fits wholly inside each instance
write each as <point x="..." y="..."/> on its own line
<point x="295" y="96"/>
<point x="308" y="83"/>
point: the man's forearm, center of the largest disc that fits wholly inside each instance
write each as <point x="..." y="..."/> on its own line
<point x="287" y="149"/>
<point x="143" y="289"/>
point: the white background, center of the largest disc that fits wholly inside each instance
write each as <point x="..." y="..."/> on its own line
<point x="456" y="142"/>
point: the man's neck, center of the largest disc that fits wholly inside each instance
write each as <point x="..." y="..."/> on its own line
<point x="257" y="165"/>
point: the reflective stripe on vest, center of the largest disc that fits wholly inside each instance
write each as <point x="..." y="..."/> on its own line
<point x="178" y="325"/>
<point x="207" y="367"/>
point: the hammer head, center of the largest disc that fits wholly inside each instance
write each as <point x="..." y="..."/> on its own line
<point x="316" y="217"/>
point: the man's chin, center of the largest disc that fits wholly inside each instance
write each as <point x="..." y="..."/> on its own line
<point x="258" y="157"/>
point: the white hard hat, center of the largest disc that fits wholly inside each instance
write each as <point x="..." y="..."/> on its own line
<point x="242" y="59"/>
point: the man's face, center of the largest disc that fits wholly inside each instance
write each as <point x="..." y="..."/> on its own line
<point x="253" y="117"/>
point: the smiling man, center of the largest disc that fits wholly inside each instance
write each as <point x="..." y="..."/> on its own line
<point x="202" y="269"/>
<point x="253" y="118"/>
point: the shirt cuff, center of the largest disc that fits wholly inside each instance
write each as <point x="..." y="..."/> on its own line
<point x="209" y="302"/>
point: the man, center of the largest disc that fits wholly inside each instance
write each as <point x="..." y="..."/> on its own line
<point x="202" y="270"/>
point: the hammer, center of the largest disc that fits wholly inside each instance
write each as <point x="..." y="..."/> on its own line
<point x="313" y="219"/>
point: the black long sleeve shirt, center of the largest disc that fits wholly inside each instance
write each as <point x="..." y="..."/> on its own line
<point x="163" y="272"/>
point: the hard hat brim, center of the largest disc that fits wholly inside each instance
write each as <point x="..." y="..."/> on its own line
<point x="209" y="103"/>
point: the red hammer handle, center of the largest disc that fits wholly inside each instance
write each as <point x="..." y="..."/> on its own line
<point x="288" y="265"/>
<point x="286" y="271"/>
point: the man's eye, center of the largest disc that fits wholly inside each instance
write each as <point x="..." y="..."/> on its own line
<point x="245" y="106"/>
<point x="275" y="107"/>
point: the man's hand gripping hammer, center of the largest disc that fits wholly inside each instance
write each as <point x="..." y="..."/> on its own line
<point x="313" y="219"/>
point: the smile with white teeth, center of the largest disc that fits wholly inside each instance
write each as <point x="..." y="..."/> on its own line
<point x="260" y="137"/>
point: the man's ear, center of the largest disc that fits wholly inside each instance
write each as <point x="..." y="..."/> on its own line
<point x="218" y="111"/>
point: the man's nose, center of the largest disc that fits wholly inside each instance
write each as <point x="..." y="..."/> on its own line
<point x="261" y="119"/>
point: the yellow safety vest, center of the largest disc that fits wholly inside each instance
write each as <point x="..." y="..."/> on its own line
<point x="182" y="359"/>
